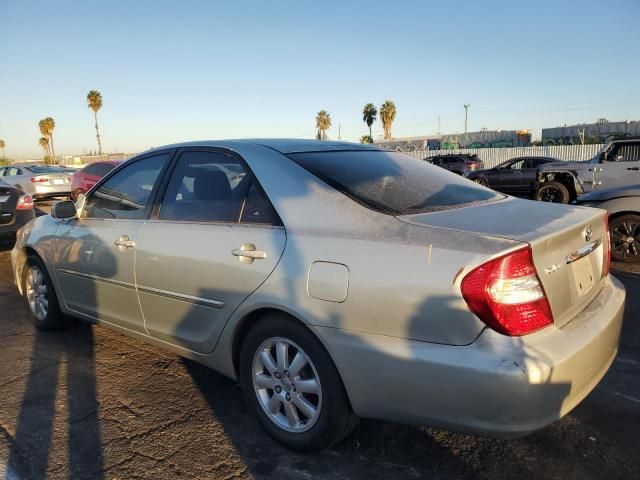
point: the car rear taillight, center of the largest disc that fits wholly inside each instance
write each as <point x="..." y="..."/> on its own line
<point x="25" y="202"/>
<point x="507" y="295"/>
<point x="39" y="179"/>
<point x="607" y="247"/>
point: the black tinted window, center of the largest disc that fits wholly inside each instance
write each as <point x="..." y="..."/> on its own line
<point x="46" y="169"/>
<point x="127" y="194"/>
<point x="392" y="182"/>
<point x="98" y="169"/>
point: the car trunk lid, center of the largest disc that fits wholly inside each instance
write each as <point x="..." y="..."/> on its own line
<point x="567" y="242"/>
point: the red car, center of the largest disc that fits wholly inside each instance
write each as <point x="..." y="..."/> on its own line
<point x="84" y="179"/>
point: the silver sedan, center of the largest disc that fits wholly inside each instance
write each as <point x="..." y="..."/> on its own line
<point x="38" y="180"/>
<point x="338" y="281"/>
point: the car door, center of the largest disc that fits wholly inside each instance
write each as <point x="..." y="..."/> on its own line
<point x="621" y="166"/>
<point x="213" y="240"/>
<point x="509" y="177"/>
<point x="95" y="252"/>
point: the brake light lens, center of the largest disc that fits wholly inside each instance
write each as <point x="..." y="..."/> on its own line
<point x="507" y="295"/>
<point x="39" y="179"/>
<point x="607" y="247"/>
<point x="25" y="202"/>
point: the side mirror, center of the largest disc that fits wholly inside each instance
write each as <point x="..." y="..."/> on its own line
<point x="64" y="209"/>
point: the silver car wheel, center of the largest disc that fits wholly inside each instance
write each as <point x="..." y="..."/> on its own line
<point x="37" y="294"/>
<point x="287" y="385"/>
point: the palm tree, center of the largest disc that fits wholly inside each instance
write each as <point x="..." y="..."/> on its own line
<point x="43" y="131"/>
<point x="46" y="129"/>
<point x="323" y="122"/>
<point x="387" y="115"/>
<point x="94" y="102"/>
<point x="2" y="145"/>
<point x="369" y="115"/>
<point x="44" y="144"/>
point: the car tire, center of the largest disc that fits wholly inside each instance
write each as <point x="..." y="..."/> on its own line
<point x="480" y="181"/>
<point x="39" y="296"/>
<point x="621" y="230"/>
<point x="554" y="192"/>
<point x="274" y="395"/>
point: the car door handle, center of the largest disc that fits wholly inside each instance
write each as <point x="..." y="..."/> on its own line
<point x="124" y="241"/>
<point x="247" y="253"/>
<point x="633" y="168"/>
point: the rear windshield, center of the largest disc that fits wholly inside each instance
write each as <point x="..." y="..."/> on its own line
<point x="46" y="169"/>
<point x="393" y="183"/>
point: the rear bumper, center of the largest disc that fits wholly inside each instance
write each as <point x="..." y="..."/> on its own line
<point x="498" y="386"/>
<point x="48" y="191"/>
<point x="20" y="218"/>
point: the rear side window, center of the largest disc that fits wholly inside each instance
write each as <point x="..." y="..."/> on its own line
<point x="391" y="182"/>
<point x="214" y="187"/>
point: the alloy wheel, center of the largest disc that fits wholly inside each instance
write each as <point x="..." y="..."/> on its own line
<point x="551" y="194"/>
<point x="37" y="294"/>
<point x="625" y="239"/>
<point x="287" y="385"/>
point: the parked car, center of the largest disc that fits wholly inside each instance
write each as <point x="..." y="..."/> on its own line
<point x="16" y="209"/>
<point x="623" y="205"/>
<point x="513" y="177"/>
<point x="459" y="163"/>
<point x="83" y="180"/>
<point x="39" y="181"/>
<point x="337" y="281"/>
<point x="617" y="164"/>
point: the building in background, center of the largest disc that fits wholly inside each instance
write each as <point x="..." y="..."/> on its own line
<point x="588" y="133"/>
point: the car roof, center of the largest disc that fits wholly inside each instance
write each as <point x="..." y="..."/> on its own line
<point x="282" y="145"/>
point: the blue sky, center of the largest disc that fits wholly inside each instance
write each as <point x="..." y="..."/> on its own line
<point x="184" y="70"/>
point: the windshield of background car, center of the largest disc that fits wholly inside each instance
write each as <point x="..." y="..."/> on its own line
<point x="47" y="169"/>
<point x="393" y="183"/>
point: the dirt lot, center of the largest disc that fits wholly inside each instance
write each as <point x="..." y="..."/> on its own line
<point x="91" y="403"/>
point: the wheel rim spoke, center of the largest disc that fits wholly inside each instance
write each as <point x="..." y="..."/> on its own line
<point x="298" y="362"/>
<point x="267" y="361"/>
<point x="307" y="386"/>
<point x="292" y="415"/>
<point x="305" y="407"/>
<point x="265" y="381"/>
<point x="282" y="350"/>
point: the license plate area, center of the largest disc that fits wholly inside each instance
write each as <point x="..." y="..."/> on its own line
<point x="584" y="275"/>
<point x="4" y="198"/>
<point x="57" y="181"/>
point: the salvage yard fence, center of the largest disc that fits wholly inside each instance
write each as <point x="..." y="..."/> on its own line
<point x="493" y="156"/>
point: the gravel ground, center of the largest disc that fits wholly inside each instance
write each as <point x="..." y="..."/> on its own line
<point x="92" y="403"/>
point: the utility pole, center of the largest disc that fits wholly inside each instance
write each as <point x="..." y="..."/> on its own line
<point x="466" y="111"/>
<point x="438" y="124"/>
<point x="581" y="135"/>
<point x="339" y="138"/>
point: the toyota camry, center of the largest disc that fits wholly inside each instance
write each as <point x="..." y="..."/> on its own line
<point x="336" y="281"/>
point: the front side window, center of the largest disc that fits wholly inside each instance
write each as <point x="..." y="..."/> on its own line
<point x="391" y="182"/>
<point x="517" y="165"/>
<point x="127" y="194"/>
<point x="214" y="187"/>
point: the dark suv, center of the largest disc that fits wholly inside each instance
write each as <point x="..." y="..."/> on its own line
<point x="459" y="163"/>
